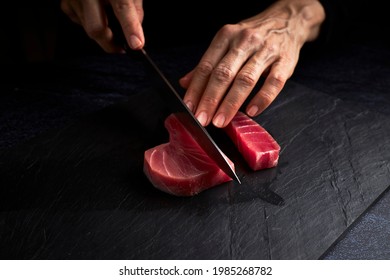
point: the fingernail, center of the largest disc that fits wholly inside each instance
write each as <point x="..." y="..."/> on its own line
<point x="134" y="42"/>
<point x="219" y="120"/>
<point x="190" y="106"/>
<point x="202" y="118"/>
<point x="253" y="110"/>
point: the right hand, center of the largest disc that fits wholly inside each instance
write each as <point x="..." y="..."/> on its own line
<point x="92" y="16"/>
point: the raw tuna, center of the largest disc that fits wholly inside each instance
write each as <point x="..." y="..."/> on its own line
<point x="256" y="145"/>
<point x="181" y="167"/>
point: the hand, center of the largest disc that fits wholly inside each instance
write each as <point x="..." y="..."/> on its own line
<point x="267" y="44"/>
<point x="92" y="16"/>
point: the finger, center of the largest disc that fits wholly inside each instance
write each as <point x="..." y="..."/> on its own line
<point x="200" y="78"/>
<point x="95" y="23"/>
<point x="186" y="80"/>
<point x="273" y="85"/>
<point x="242" y="86"/>
<point x="220" y="80"/>
<point x="203" y="70"/>
<point x="213" y="75"/>
<point x="130" y="16"/>
<point x="70" y="12"/>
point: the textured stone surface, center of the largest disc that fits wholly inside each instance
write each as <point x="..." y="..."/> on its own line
<point x="79" y="191"/>
<point x="71" y="191"/>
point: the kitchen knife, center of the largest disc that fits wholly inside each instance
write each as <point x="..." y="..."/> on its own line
<point x="197" y="131"/>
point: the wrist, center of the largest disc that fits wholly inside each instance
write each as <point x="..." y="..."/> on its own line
<point x="310" y="14"/>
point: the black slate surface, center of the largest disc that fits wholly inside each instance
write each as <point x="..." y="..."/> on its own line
<point x="79" y="192"/>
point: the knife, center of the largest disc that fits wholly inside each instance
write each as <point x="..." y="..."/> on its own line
<point x="197" y="131"/>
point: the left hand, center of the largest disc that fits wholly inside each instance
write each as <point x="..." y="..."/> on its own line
<point x="267" y="44"/>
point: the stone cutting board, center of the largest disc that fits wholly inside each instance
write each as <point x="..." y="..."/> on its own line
<point x="80" y="193"/>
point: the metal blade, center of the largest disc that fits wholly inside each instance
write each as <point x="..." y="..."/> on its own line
<point x="197" y="131"/>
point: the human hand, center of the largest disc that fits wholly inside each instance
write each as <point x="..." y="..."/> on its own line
<point x="92" y="16"/>
<point x="267" y="44"/>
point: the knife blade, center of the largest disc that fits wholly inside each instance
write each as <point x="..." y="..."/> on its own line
<point x="197" y="131"/>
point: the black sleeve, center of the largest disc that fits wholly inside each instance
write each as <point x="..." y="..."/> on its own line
<point x="345" y="19"/>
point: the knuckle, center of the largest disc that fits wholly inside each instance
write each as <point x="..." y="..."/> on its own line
<point x="267" y="97"/>
<point x="270" y="47"/>
<point x="288" y="62"/>
<point x="204" y="68"/>
<point x="210" y="101"/>
<point x="277" y="81"/>
<point x="227" y="30"/>
<point x="232" y="103"/>
<point x="121" y="6"/>
<point x="250" y="34"/>
<point x="246" y="79"/>
<point x="251" y="37"/>
<point x="238" y="51"/>
<point x="140" y="12"/>
<point x="223" y="73"/>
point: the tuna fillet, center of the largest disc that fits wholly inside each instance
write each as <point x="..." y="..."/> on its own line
<point x="256" y="145"/>
<point x="181" y="167"/>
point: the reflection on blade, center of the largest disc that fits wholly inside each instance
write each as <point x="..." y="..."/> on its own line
<point x="198" y="132"/>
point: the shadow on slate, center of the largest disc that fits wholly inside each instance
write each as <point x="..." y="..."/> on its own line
<point x="80" y="193"/>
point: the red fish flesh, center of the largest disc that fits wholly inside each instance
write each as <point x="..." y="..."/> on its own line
<point x="181" y="167"/>
<point x="256" y="145"/>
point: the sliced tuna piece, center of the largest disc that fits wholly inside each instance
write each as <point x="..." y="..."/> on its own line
<point x="181" y="167"/>
<point x="256" y="145"/>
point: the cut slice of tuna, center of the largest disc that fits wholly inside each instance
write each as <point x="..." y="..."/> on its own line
<point x="256" y="145"/>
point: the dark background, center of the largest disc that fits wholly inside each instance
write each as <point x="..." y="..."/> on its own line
<point x="35" y="31"/>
